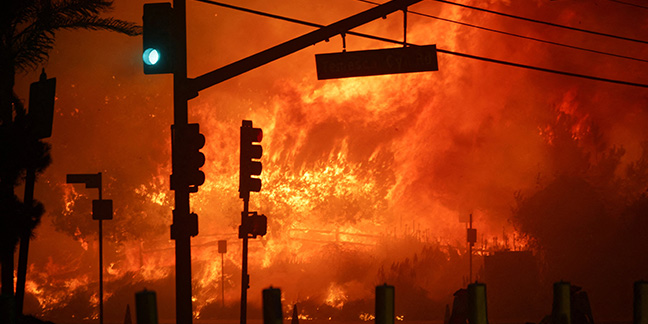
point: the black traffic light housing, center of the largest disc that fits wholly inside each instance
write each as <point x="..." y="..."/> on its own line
<point x="187" y="142"/>
<point x="250" y="166"/>
<point x="158" y="38"/>
<point x="42" y="95"/>
<point x="253" y="225"/>
<point x="183" y="228"/>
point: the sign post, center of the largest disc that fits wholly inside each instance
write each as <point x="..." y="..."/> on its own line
<point x="222" y="249"/>
<point x="101" y="210"/>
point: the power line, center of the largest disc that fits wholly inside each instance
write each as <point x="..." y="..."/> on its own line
<point x="629" y="4"/>
<point x="544" y="22"/>
<point x="517" y="35"/>
<point x="530" y="67"/>
<point x="470" y="56"/>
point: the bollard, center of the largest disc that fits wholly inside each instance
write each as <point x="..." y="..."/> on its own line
<point x="272" y="311"/>
<point x="640" y="303"/>
<point x="146" y="307"/>
<point x="560" y="310"/>
<point x="477" y="306"/>
<point x="385" y="308"/>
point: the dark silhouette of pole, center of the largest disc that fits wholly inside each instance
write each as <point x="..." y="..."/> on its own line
<point x="223" y="279"/>
<point x="184" y="312"/>
<point x="222" y="249"/>
<point x="471" y="237"/>
<point x="245" y="277"/>
<point x="100" y="263"/>
<point x="23" y="253"/>
<point x="295" y="315"/>
<point x="470" y="245"/>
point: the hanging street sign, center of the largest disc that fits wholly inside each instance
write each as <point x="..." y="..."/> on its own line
<point x="376" y="62"/>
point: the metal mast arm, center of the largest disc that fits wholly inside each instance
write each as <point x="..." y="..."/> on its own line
<point x="252" y="62"/>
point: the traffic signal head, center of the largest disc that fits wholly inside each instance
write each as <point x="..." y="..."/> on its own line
<point x="250" y="167"/>
<point x="151" y="56"/>
<point x="258" y="225"/>
<point x="158" y="40"/>
<point x="187" y="158"/>
<point x="41" y="106"/>
<point x="253" y="225"/>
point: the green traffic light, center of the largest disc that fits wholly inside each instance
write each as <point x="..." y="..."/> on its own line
<point x="151" y="56"/>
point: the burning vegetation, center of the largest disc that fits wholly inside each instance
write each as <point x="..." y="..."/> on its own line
<point x="365" y="180"/>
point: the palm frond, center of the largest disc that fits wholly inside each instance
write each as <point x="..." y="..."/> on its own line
<point x="75" y="8"/>
<point x="18" y="12"/>
<point x="41" y="19"/>
<point x="32" y="49"/>
<point x="98" y="23"/>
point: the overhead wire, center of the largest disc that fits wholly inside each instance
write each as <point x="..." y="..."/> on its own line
<point x="516" y="35"/>
<point x="544" y="22"/>
<point x="465" y="55"/>
<point x="629" y="4"/>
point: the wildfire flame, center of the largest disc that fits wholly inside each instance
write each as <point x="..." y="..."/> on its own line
<point x="365" y="180"/>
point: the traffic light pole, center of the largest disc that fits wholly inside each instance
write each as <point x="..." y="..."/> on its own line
<point x="101" y="317"/>
<point x="184" y="312"/>
<point x="250" y="168"/>
<point x="23" y="253"/>
<point x="245" y="277"/>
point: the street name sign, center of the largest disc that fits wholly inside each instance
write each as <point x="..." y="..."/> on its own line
<point x="376" y="62"/>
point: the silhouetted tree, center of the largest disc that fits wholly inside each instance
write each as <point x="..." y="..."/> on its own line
<point x="27" y="30"/>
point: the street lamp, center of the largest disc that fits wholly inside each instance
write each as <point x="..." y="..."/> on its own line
<point x="101" y="209"/>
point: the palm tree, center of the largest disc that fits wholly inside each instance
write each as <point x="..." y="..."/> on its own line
<point x="27" y="33"/>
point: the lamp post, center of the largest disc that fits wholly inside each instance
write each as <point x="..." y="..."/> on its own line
<point x="101" y="209"/>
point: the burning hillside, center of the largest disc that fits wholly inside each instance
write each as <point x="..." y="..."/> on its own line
<point x="365" y="180"/>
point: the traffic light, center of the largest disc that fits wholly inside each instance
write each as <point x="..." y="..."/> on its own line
<point x="253" y="225"/>
<point x="187" y="226"/>
<point x="41" y="105"/>
<point x="258" y="225"/>
<point x="158" y="40"/>
<point x="187" y="142"/>
<point x="250" y="167"/>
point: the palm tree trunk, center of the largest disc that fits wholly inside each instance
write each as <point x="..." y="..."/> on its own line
<point x="7" y="77"/>
<point x="7" y="258"/>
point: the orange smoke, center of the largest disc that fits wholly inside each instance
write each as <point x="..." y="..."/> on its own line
<point x="365" y="180"/>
